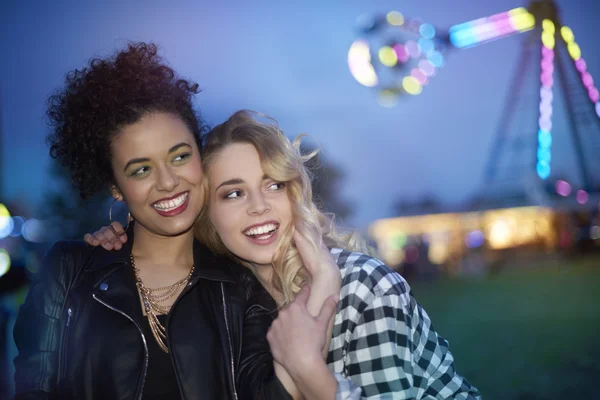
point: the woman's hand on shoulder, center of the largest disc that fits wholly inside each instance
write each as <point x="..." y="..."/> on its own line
<point x="110" y="237"/>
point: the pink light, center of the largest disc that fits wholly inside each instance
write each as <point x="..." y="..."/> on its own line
<point x="401" y="53"/>
<point x="503" y="16"/>
<point x="547" y="53"/>
<point x="587" y="79"/>
<point x="563" y="188"/>
<point x="547" y="80"/>
<point x="582" y="197"/>
<point x="594" y="95"/>
<point x="412" y="48"/>
<point x="427" y="67"/>
<point x="547" y="65"/>
<point x="580" y="65"/>
<point x="419" y="75"/>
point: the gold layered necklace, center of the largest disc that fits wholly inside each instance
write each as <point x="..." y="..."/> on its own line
<point x="151" y="299"/>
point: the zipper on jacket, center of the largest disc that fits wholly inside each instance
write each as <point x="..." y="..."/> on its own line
<point x="63" y="351"/>
<point x="229" y="341"/>
<point x="143" y="340"/>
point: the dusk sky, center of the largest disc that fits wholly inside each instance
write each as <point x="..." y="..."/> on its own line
<point x="288" y="60"/>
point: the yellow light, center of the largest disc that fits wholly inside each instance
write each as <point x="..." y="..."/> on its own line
<point x="438" y="252"/>
<point x="574" y="51"/>
<point x="4" y="211"/>
<point x="388" y="56"/>
<point x="523" y="22"/>
<point x="359" y="61"/>
<point x="567" y="34"/>
<point x="548" y="40"/>
<point x="517" y="11"/>
<point x="387" y="98"/>
<point x="395" y="18"/>
<point x="4" y="262"/>
<point x="411" y="85"/>
<point x="548" y="26"/>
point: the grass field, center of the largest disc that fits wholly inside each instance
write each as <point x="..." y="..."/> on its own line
<point x="524" y="333"/>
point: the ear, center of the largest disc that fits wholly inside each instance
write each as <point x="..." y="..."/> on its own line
<point x="116" y="193"/>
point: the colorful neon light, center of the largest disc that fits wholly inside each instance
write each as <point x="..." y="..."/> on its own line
<point x="489" y="28"/>
<point x="544" y="152"/>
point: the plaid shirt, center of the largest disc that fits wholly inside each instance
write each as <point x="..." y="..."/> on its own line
<point x="383" y="344"/>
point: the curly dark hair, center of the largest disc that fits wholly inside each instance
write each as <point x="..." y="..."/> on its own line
<point x="105" y="96"/>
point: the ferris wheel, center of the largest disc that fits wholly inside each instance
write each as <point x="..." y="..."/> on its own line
<point x="398" y="57"/>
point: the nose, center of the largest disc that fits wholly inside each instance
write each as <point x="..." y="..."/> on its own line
<point x="258" y="204"/>
<point x="167" y="180"/>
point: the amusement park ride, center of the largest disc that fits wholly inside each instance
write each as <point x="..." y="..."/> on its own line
<point x="399" y="56"/>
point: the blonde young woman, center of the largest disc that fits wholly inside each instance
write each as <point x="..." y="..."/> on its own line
<point x="260" y="212"/>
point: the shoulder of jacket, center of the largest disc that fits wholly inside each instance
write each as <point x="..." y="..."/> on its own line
<point x="66" y="257"/>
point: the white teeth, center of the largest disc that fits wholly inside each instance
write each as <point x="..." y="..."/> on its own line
<point x="168" y="205"/>
<point x="260" y="230"/>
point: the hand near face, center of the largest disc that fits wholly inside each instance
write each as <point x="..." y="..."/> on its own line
<point x="297" y="337"/>
<point x="320" y="264"/>
<point x="110" y="237"/>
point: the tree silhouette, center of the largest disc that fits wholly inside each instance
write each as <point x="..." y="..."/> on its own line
<point x="327" y="178"/>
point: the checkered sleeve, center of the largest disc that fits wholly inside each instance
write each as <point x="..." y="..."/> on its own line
<point x="391" y="348"/>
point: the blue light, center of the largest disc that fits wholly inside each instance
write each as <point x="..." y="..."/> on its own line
<point x="544" y="154"/>
<point x="427" y="31"/>
<point x="462" y="39"/>
<point x="436" y="58"/>
<point x="543" y="170"/>
<point x="544" y="138"/>
<point x="426" y="45"/>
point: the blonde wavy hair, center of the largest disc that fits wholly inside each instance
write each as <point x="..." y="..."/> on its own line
<point x="282" y="161"/>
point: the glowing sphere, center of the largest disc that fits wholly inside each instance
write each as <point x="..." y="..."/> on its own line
<point x="395" y="18"/>
<point x="359" y="61"/>
<point x="543" y="170"/>
<point x="548" y="39"/>
<point x="4" y="262"/>
<point x="548" y="26"/>
<point x="582" y="196"/>
<point x="567" y="34"/>
<point x="387" y="56"/>
<point x="411" y="85"/>
<point x="574" y="50"/>
<point x="563" y="188"/>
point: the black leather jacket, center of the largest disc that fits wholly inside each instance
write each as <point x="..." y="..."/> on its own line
<point x="78" y="337"/>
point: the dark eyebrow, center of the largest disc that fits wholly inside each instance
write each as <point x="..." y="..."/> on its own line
<point x="238" y="181"/>
<point x="234" y="181"/>
<point x="141" y="160"/>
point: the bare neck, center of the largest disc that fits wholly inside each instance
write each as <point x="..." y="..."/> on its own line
<point x="165" y="250"/>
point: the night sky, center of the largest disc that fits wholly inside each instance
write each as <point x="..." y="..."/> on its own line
<point x="288" y="60"/>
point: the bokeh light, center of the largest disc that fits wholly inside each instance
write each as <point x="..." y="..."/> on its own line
<point x="563" y="188"/>
<point x="4" y="262"/>
<point x="582" y="196"/>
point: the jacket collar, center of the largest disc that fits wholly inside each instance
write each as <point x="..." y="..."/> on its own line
<point x="207" y="264"/>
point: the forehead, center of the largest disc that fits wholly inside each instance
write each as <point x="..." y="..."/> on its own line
<point x="237" y="160"/>
<point x="154" y="134"/>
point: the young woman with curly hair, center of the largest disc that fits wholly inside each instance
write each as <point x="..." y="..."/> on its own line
<point x="162" y="317"/>
<point x="260" y="212"/>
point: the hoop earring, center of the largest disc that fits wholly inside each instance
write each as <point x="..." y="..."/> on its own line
<point x="129" y="219"/>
